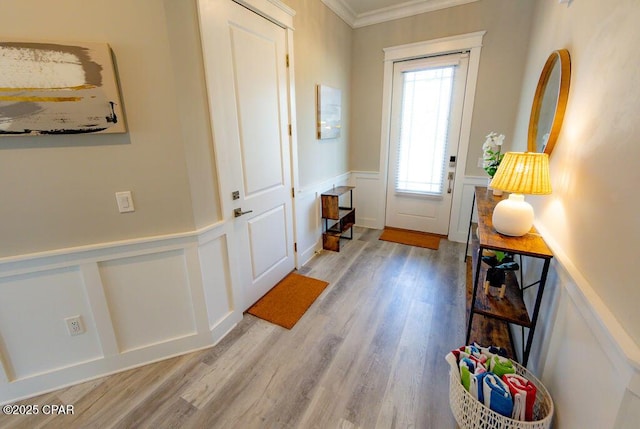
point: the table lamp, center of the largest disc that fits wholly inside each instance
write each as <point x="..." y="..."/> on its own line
<point x="519" y="173"/>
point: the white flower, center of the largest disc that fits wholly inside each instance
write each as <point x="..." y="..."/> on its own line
<point x="492" y="152"/>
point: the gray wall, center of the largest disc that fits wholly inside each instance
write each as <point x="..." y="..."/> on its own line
<point x="322" y="46"/>
<point x="592" y="215"/>
<point x="499" y="80"/>
<point x="58" y="191"/>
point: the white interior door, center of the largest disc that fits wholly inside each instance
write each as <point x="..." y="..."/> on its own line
<point x="426" y="116"/>
<point x="245" y="64"/>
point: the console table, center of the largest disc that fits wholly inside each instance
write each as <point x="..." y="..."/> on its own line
<point x="511" y="308"/>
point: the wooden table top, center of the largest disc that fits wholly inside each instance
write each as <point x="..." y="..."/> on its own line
<point x="530" y="244"/>
<point x="338" y="190"/>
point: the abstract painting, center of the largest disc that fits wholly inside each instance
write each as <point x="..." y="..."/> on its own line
<point x="51" y="88"/>
<point x="329" y="112"/>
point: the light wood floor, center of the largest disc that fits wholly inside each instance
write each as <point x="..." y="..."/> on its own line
<point x="369" y="353"/>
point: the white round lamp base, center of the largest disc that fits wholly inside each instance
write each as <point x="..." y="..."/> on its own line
<point x="513" y="216"/>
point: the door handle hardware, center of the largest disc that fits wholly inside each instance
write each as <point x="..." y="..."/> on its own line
<point x="450" y="180"/>
<point x="238" y="212"/>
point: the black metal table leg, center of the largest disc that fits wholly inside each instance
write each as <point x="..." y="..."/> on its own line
<point x="473" y="297"/>
<point x="536" y="308"/>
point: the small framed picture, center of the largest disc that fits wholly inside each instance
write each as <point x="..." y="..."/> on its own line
<point x="329" y="116"/>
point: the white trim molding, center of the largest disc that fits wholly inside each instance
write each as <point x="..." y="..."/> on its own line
<point x="273" y="10"/>
<point x="343" y="10"/>
<point x="389" y="13"/>
<point x="615" y="340"/>
<point x="461" y="208"/>
<point x="114" y="288"/>
<point x="369" y="210"/>
<point x="577" y="333"/>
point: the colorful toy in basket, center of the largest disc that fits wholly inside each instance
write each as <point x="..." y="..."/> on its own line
<point x="490" y="377"/>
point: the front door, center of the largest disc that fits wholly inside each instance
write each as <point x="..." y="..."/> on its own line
<point x="426" y="115"/>
<point x="245" y="66"/>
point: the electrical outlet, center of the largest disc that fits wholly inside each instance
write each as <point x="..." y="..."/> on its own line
<point x="74" y="325"/>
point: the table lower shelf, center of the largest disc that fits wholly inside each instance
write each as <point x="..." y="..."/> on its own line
<point x="335" y="229"/>
<point x="487" y="330"/>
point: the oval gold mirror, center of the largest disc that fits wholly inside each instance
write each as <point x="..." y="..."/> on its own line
<point x="549" y="102"/>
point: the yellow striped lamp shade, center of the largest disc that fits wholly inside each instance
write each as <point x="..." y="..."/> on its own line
<point x="523" y="173"/>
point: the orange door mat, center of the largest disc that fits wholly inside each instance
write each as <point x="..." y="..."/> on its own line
<point x="285" y="304"/>
<point x="411" y="238"/>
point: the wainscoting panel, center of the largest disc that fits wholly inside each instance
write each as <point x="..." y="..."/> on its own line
<point x="367" y="199"/>
<point x="216" y="277"/>
<point x="33" y="332"/>
<point x="370" y="205"/>
<point x="309" y="234"/>
<point x="140" y="301"/>
<point x="461" y="208"/>
<point x="585" y="358"/>
<point x="148" y="298"/>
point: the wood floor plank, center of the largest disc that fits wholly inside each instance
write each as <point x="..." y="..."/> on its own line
<point x="167" y="396"/>
<point x="203" y="389"/>
<point x="369" y="353"/>
<point x="120" y="394"/>
<point x="384" y="345"/>
<point x="32" y="421"/>
<point x="73" y="394"/>
<point x="401" y="402"/>
<point x="289" y="394"/>
<point x="171" y="417"/>
<point x="235" y="397"/>
<point x="346" y="384"/>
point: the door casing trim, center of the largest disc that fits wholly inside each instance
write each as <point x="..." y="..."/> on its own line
<point x="471" y="42"/>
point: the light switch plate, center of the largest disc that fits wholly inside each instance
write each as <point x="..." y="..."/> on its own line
<point x="125" y="202"/>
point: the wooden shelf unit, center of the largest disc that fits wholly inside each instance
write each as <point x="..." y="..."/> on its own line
<point x="511" y="308"/>
<point x="337" y="219"/>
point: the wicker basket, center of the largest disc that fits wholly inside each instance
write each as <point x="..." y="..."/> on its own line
<point x="472" y="414"/>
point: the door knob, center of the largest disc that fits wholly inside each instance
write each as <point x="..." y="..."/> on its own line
<point x="238" y="212"/>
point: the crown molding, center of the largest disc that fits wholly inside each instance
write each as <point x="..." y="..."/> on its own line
<point x="403" y="10"/>
<point x="343" y="10"/>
